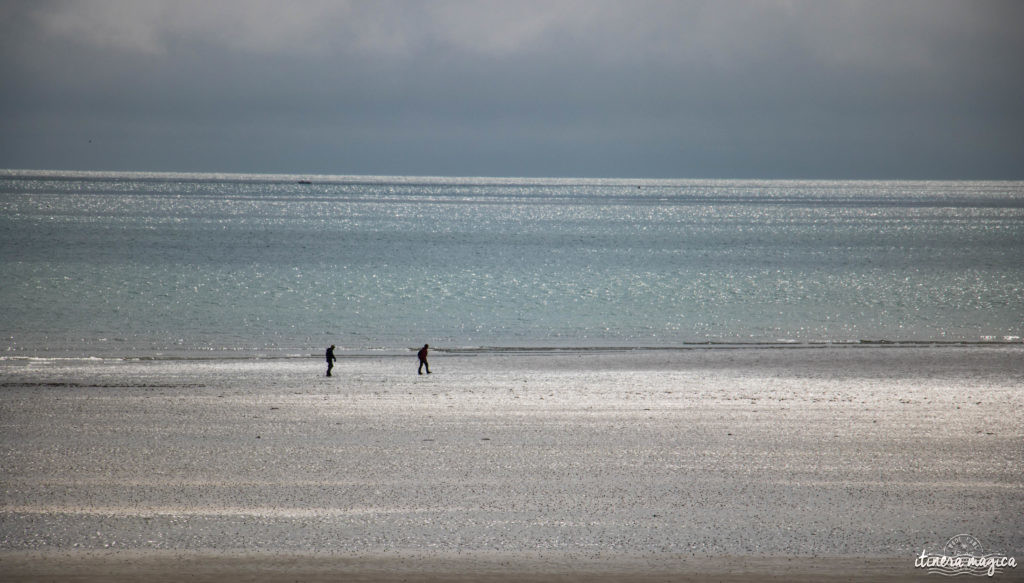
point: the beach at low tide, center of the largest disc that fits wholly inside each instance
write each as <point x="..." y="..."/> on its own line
<point x="722" y="463"/>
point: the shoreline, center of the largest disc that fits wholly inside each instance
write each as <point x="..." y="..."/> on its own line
<point x="20" y="353"/>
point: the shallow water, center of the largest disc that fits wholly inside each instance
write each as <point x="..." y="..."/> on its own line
<point x="105" y="264"/>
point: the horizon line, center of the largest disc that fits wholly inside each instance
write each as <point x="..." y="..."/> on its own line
<point x="326" y="177"/>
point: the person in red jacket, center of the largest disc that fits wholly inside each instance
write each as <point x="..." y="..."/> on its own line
<point x="422" y="355"/>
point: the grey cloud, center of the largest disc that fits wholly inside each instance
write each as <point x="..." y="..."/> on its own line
<point x="855" y="89"/>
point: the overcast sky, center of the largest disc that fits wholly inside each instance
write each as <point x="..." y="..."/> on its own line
<point x="707" y="89"/>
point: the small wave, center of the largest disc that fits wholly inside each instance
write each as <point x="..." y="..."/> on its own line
<point x="711" y="345"/>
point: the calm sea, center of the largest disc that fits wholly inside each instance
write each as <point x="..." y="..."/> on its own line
<point x="150" y="265"/>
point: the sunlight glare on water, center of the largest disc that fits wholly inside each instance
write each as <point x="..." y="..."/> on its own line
<point x="126" y="264"/>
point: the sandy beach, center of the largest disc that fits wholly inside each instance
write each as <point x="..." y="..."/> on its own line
<point x="727" y="464"/>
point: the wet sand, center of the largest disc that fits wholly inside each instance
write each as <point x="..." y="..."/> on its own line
<point x="157" y="567"/>
<point x="722" y="464"/>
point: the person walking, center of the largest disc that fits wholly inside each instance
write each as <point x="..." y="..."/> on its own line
<point x="422" y="355"/>
<point x="330" y="359"/>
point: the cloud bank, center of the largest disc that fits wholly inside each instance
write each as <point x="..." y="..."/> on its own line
<point x="792" y="89"/>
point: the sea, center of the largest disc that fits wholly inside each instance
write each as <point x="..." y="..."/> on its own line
<point x="171" y="265"/>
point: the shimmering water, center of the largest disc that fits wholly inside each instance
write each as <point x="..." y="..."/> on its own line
<point x="114" y="264"/>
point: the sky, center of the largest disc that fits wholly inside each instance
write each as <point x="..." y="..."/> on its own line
<point x="888" y="89"/>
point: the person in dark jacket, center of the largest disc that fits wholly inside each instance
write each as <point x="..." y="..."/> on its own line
<point x="422" y="355"/>
<point x="330" y="359"/>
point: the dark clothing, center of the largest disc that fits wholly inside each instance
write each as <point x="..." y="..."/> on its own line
<point x="330" y="360"/>
<point x="422" y="355"/>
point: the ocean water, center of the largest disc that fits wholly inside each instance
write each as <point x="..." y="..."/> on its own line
<point x="169" y="265"/>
